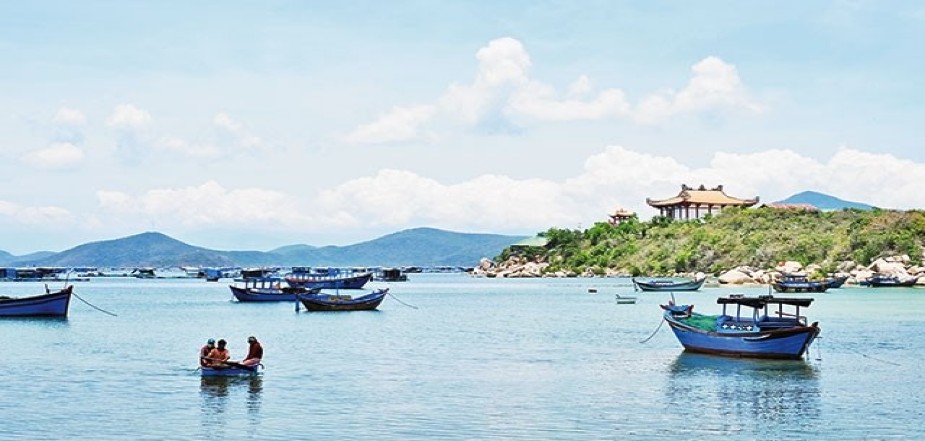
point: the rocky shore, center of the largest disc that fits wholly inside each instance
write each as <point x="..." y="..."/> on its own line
<point x="899" y="266"/>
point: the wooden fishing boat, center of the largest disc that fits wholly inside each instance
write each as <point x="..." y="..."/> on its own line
<point x="309" y="280"/>
<point x="336" y="302"/>
<point x="836" y="281"/>
<point x="669" y="284"/>
<point x="236" y="370"/>
<point x="50" y="304"/>
<point x="798" y="283"/>
<point x="767" y="332"/>
<point x="888" y="282"/>
<point x="268" y="290"/>
<point x="624" y="300"/>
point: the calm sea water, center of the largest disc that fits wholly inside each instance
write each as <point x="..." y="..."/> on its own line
<point x="479" y="359"/>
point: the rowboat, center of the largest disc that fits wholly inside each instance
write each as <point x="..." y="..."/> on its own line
<point x="798" y="283"/>
<point x="624" y="300"/>
<point x="669" y="284"/>
<point x="238" y="370"/>
<point x="336" y="302"/>
<point x="268" y="290"/>
<point x="50" y="304"/>
<point x="766" y="333"/>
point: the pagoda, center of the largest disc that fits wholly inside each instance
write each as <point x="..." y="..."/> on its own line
<point x="693" y="203"/>
<point x="620" y="215"/>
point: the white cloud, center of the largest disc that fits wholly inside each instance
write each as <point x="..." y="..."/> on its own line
<point x="203" y="205"/>
<point x="398" y="125"/>
<point x="127" y="116"/>
<point x="240" y="136"/>
<point x="45" y="216"/>
<point x="57" y="156"/>
<point x="715" y="85"/>
<point x="504" y="89"/>
<point x="68" y="116"/>
<point x="196" y="150"/>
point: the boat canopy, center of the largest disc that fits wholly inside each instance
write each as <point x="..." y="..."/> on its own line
<point x="762" y="301"/>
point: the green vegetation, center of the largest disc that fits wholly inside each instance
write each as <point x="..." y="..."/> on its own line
<point x="755" y="237"/>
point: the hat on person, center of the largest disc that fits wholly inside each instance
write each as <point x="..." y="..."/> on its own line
<point x="251" y="339"/>
<point x="211" y="341"/>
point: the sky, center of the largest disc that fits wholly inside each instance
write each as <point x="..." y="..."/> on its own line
<point x="238" y="125"/>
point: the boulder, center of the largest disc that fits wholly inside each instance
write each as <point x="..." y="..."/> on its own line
<point x="735" y="277"/>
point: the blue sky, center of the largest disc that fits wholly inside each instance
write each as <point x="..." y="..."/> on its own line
<point x="252" y="125"/>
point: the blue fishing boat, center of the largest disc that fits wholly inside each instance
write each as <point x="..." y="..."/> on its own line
<point x="888" y="281"/>
<point x="836" y="281"/>
<point x="798" y="283"/>
<point x="50" y="304"/>
<point x="767" y="330"/>
<point x="335" y="281"/>
<point x="270" y="289"/>
<point x="337" y="302"/>
<point x="669" y="284"/>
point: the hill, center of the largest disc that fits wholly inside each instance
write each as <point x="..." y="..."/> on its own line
<point x="824" y="202"/>
<point x="755" y="237"/>
<point x="415" y="247"/>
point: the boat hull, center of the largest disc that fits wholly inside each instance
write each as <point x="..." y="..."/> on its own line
<point x="230" y="371"/>
<point x="327" y="302"/>
<point x="800" y="287"/>
<point x="664" y="285"/>
<point x="53" y="304"/>
<point x="268" y="295"/>
<point x="790" y="343"/>
<point x="327" y="282"/>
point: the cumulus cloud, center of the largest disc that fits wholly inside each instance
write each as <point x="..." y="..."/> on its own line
<point x="68" y="116"/>
<point x="715" y="85"/>
<point x="57" y="156"/>
<point x="41" y="216"/>
<point x="504" y="93"/>
<point x="239" y="135"/>
<point x="204" y="205"/>
<point x="127" y="116"/>
<point x="615" y="177"/>
<point x="187" y="148"/>
<point x="400" y="124"/>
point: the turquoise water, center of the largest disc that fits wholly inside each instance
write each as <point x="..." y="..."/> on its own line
<point x="479" y="359"/>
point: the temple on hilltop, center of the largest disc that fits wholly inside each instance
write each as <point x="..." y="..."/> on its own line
<point x="620" y="215"/>
<point x="693" y="203"/>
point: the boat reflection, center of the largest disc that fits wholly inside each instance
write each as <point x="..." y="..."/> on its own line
<point x="746" y="392"/>
<point x="218" y="394"/>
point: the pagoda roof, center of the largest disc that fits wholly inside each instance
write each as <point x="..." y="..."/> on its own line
<point x="703" y="196"/>
<point x="622" y="212"/>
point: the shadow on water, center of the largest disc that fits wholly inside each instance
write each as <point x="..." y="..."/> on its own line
<point x="47" y="322"/>
<point x="782" y="394"/>
<point x="220" y="399"/>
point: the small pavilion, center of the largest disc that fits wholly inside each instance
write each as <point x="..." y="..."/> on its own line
<point x="693" y="203"/>
<point x="620" y="215"/>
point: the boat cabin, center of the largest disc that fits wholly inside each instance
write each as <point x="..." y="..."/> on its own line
<point x="693" y="203"/>
<point x="767" y="312"/>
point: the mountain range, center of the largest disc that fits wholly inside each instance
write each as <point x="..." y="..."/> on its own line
<point x="415" y="247"/>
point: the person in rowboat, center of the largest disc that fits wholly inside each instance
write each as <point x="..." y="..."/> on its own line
<point x="254" y="352"/>
<point x="219" y="355"/>
<point x="205" y="351"/>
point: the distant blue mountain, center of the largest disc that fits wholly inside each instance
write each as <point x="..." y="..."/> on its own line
<point x="824" y="201"/>
<point x="414" y="247"/>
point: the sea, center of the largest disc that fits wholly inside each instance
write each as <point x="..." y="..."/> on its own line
<point x="452" y="357"/>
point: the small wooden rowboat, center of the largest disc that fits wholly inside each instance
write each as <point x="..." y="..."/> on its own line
<point x="231" y="370"/>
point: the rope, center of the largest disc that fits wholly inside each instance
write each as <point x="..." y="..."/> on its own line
<point x="660" y="323"/>
<point x="403" y="303"/>
<point x="92" y="305"/>
<point x="874" y="358"/>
